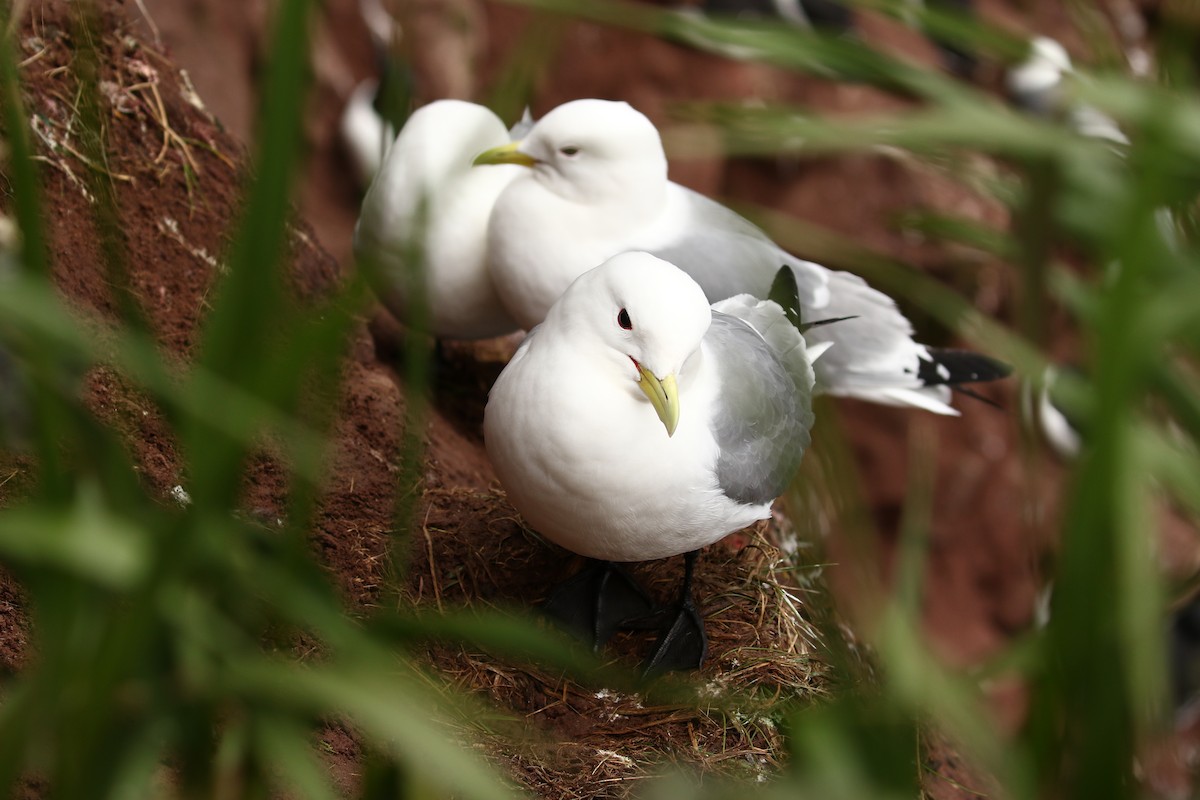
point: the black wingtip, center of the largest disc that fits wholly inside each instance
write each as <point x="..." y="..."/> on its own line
<point x="947" y="366"/>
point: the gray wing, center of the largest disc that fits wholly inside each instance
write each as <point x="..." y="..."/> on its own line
<point x="874" y="356"/>
<point x="727" y="254"/>
<point x="761" y="419"/>
<point x="874" y="348"/>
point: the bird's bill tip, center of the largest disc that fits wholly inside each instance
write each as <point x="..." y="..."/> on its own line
<point x="663" y="395"/>
<point x="504" y="154"/>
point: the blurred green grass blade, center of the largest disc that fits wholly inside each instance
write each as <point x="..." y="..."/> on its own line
<point x="512" y="91"/>
<point x="252" y="292"/>
<point x="387" y="708"/>
<point x="916" y="678"/>
<point x="141" y="764"/>
<point x="26" y="195"/>
<point x="1075" y="292"/>
<point x="1035" y="232"/>
<point x="769" y="42"/>
<point x="382" y="778"/>
<point x="86" y="540"/>
<point x="1106" y="655"/>
<point x="1135" y="104"/>
<point x="397" y="92"/>
<point x="1088" y="655"/>
<point x="302" y="594"/>
<point x="1142" y="254"/>
<point x="49" y="413"/>
<point x="501" y="634"/>
<point x="203" y="629"/>
<point x="218" y="770"/>
<point x="1181" y="392"/>
<point x="287" y="749"/>
<point x="91" y="130"/>
<point x="303" y="379"/>
<point x="986" y="126"/>
<point x="901" y="282"/>
<point x="1172" y="314"/>
<point x="238" y="415"/>
<point x="965" y="30"/>
<point x="1176" y="44"/>
<point x="243" y="321"/>
<point x="916" y="521"/>
<point x="416" y="372"/>
<point x="164" y="616"/>
<point x="1174" y="464"/>
<point x="958" y="230"/>
<point x="857" y="746"/>
<point x="829" y="488"/>
<point x="21" y="731"/>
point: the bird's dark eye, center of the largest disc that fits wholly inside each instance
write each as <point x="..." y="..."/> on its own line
<point x="569" y="150"/>
<point x="623" y="320"/>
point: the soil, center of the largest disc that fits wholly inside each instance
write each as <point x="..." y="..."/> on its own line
<point x="982" y="577"/>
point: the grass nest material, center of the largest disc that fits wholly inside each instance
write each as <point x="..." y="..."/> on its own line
<point x="570" y="739"/>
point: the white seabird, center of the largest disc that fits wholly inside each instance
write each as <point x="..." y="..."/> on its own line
<point x="637" y="422"/>
<point x="365" y="134"/>
<point x="597" y="185"/>
<point x="1038" y="85"/>
<point x="428" y="207"/>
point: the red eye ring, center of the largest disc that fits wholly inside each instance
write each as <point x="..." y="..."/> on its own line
<point x="623" y="320"/>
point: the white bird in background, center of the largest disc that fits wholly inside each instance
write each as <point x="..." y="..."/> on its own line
<point x="365" y="133"/>
<point x="638" y="423"/>
<point x="1040" y="412"/>
<point x="15" y="407"/>
<point x="1037" y="84"/>
<point x="366" y="136"/>
<point x="378" y="107"/>
<point x="597" y="185"/>
<point x="429" y="207"/>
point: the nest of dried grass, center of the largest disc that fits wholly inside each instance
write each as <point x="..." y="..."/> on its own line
<point x="564" y="738"/>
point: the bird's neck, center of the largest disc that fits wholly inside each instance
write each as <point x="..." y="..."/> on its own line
<point x="622" y="196"/>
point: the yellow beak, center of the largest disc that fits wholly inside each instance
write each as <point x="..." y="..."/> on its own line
<point x="664" y="396"/>
<point x="504" y="154"/>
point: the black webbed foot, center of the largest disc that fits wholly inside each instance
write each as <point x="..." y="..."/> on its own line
<point x="683" y="643"/>
<point x="594" y="602"/>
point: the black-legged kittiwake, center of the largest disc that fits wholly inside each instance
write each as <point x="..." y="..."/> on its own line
<point x="1039" y="85"/>
<point x="428" y="207"/>
<point x="637" y="422"/>
<point x="597" y="186"/>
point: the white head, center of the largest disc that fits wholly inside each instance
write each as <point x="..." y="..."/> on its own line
<point x="1050" y="52"/>
<point x="643" y="316"/>
<point x="1033" y="82"/>
<point x="592" y="151"/>
<point x="445" y="136"/>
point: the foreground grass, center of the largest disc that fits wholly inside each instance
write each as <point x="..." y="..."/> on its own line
<point x="150" y="620"/>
